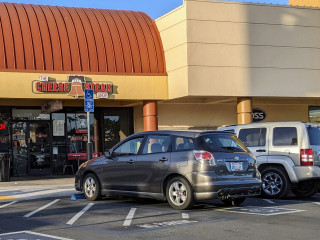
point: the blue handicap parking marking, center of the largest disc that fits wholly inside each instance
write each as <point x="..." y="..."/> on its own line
<point x="265" y="211"/>
<point x="29" y="235"/>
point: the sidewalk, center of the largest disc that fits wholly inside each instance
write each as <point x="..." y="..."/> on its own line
<point x="26" y="188"/>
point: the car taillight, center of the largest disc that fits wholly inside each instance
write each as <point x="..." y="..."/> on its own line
<point x="204" y="157"/>
<point x="306" y="157"/>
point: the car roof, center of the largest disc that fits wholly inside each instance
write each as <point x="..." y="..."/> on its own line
<point x="261" y="124"/>
<point x="182" y="133"/>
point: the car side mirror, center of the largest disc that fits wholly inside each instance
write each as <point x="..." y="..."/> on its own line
<point x="107" y="154"/>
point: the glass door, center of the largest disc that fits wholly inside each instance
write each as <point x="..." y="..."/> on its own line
<point x="31" y="148"/>
<point x="39" y="148"/>
<point x="20" y="149"/>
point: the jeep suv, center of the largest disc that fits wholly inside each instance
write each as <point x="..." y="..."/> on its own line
<point x="181" y="167"/>
<point x="287" y="155"/>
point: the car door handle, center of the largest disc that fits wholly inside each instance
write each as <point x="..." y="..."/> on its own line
<point x="163" y="159"/>
<point x="260" y="150"/>
<point x="130" y="161"/>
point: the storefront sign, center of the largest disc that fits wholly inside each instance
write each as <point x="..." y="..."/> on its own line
<point x="258" y="115"/>
<point x="3" y="126"/>
<point x="75" y="86"/>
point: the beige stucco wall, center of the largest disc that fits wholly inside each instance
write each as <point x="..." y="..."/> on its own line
<point x="209" y="116"/>
<point x="307" y="3"/>
<point x="241" y="49"/>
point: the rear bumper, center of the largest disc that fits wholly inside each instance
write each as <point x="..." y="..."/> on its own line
<point x="307" y="173"/>
<point x="208" y="186"/>
<point x="229" y="193"/>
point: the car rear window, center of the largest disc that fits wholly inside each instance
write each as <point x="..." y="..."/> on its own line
<point x="222" y="143"/>
<point x="314" y="135"/>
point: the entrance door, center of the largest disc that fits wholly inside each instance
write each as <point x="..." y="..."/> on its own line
<point x="31" y="148"/>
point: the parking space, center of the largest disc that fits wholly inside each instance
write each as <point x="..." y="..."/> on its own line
<point x="125" y="216"/>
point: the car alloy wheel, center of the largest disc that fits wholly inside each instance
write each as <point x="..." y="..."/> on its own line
<point x="179" y="193"/>
<point x="272" y="183"/>
<point x="91" y="187"/>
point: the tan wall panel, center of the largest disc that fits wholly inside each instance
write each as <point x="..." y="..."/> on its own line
<point x="280" y="113"/>
<point x="176" y="57"/>
<point x="185" y="116"/>
<point x="286" y="83"/>
<point x="252" y="34"/>
<point x="174" y="36"/>
<point x="171" y="18"/>
<point x="307" y="3"/>
<point x="219" y="81"/>
<point x="178" y="82"/>
<point x="255" y="13"/>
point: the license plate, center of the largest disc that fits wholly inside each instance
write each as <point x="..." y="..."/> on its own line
<point x="236" y="166"/>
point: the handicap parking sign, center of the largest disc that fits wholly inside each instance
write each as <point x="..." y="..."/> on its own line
<point x="88" y="100"/>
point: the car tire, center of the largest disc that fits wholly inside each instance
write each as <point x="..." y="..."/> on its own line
<point x="91" y="187"/>
<point x="179" y="193"/>
<point x="233" y="202"/>
<point x="275" y="183"/>
<point x="306" y="189"/>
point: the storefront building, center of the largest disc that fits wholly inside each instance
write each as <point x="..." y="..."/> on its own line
<point x="49" y="56"/>
<point x="226" y="60"/>
<point x="203" y="65"/>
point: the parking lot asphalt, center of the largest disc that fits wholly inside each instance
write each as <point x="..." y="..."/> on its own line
<point x="26" y="188"/>
<point x="44" y="209"/>
<point x="126" y="218"/>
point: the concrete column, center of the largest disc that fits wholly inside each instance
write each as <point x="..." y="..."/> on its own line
<point x="150" y="115"/>
<point x="244" y="110"/>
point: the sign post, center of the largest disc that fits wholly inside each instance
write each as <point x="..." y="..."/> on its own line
<point x="88" y="107"/>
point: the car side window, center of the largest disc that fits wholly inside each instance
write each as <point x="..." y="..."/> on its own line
<point x="284" y="136"/>
<point x="156" y="144"/>
<point x="128" y="148"/>
<point x="183" y="144"/>
<point x="253" y="137"/>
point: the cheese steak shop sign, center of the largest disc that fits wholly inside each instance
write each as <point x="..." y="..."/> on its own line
<point x="74" y="87"/>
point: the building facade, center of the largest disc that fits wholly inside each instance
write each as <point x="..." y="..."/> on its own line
<point x="49" y="56"/>
<point x="203" y="65"/>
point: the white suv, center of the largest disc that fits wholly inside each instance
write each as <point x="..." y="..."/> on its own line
<point x="287" y="156"/>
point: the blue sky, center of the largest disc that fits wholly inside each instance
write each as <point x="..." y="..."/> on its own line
<point x="154" y="8"/>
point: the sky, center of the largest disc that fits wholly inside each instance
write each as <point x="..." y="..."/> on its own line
<point x="154" y="8"/>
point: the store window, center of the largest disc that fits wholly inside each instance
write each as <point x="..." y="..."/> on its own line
<point x="111" y="125"/>
<point x="59" y="149"/>
<point x="77" y="132"/>
<point x="314" y="114"/>
<point x="29" y="114"/>
<point x="4" y="133"/>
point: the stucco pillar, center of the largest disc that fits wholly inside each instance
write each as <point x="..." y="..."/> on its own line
<point x="150" y="115"/>
<point x="244" y="110"/>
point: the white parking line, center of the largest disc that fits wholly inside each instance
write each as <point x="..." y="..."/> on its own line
<point x="318" y="203"/>
<point x="129" y="218"/>
<point x="39" y="209"/>
<point x="268" y="201"/>
<point x="185" y="216"/>
<point x="79" y="214"/>
<point x="5" y="205"/>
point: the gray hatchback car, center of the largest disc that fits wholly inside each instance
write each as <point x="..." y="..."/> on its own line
<point x="181" y="167"/>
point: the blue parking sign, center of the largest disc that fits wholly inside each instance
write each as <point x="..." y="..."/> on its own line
<point x="88" y="100"/>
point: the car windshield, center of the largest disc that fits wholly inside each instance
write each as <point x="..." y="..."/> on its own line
<point x="222" y="143"/>
<point x="314" y="135"/>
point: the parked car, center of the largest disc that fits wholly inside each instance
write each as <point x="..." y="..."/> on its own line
<point x="287" y="154"/>
<point x="181" y="167"/>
